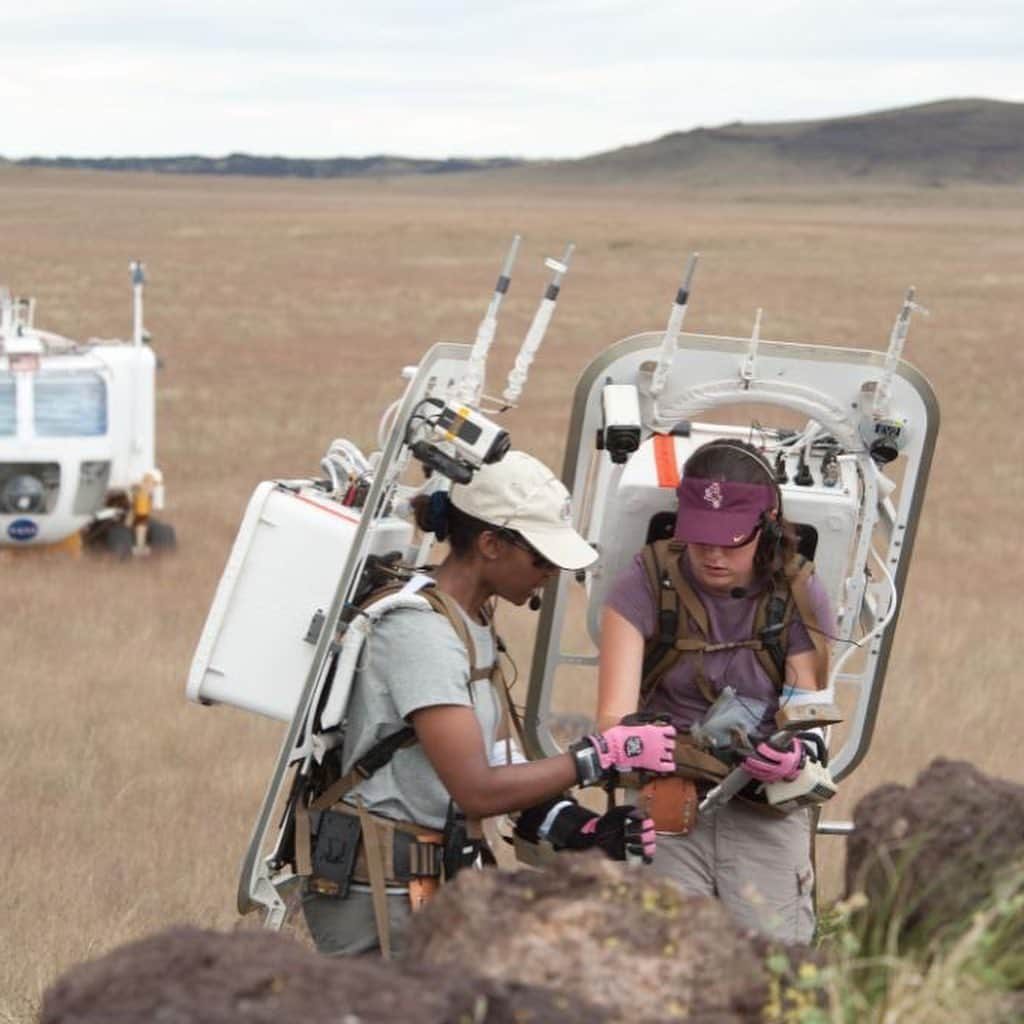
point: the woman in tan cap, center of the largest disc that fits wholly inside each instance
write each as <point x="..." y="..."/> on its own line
<point x="428" y="713"/>
<point x="732" y="554"/>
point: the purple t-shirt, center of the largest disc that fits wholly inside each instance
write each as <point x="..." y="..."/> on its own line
<point x="729" y="619"/>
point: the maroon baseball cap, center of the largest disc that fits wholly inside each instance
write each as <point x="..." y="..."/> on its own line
<point x="720" y="512"/>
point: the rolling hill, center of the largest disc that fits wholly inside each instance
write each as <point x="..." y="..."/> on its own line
<point x="964" y="140"/>
<point x="956" y="141"/>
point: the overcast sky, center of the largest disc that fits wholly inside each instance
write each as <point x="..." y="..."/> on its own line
<point x="533" y="78"/>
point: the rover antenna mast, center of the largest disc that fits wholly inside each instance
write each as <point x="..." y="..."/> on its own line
<point x="472" y="383"/>
<point x="138" y="280"/>
<point x="670" y="342"/>
<point x="750" y="360"/>
<point x="897" y="339"/>
<point x="535" y="334"/>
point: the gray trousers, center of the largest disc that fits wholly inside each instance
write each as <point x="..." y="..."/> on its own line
<point x="757" y="864"/>
<point x="347" y="927"/>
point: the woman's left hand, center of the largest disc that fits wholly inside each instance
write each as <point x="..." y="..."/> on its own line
<point x="767" y="764"/>
<point x="624" y="834"/>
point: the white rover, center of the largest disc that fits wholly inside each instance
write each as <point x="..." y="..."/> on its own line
<point x="77" y="436"/>
<point x="850" y="431"/>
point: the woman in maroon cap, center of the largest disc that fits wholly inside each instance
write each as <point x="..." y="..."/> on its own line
<point x="732" y="553"/>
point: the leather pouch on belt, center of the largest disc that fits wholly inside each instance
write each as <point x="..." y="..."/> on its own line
<point x="424" y="880"/>
<point x="672" y="803"/>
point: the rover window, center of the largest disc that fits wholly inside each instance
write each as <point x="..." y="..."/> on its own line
<point x="70" y="405"/>
<point x="8" y="406"/>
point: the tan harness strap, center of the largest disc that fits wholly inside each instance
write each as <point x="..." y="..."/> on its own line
<point x="335" y="791"/>
<point x="378" y="873"/>
<point x="447" y="606"/>
<point x="661" y="561"/>
<point x="378" y="832"/>
<point x="691" y="602"/>
<point x="303" y="852"/>
<point x="691" y="605"/>
<point x="675" y="595"/>
<point x="762" y="651"/>
<point x="510" y="716"/>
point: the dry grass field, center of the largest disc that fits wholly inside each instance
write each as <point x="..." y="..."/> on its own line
<point x="283" y="311"/>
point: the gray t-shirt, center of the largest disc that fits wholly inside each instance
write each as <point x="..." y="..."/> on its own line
<point x="729" y="619"/>
<point x="413" y="659"/>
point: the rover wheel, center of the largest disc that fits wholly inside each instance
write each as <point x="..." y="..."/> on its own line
<point x="161" y="536"/>
<point x="118" y="540"/>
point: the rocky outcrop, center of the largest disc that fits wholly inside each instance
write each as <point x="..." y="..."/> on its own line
<point x="929" y="853"/>
<point x="598" y="932"/>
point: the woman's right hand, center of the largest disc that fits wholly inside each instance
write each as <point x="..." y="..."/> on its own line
<point x="625" y="748"/>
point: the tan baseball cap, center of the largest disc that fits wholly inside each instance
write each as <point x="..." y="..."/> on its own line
<point x="520" y="493"/>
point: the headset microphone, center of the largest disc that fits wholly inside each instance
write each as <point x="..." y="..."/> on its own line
<point x="534" y="603"/>
<point x="738" y="592"/>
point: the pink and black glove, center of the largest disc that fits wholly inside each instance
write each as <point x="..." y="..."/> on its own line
<point x="623" y="833"/>
<point x="625" y="748"/>
<point x="767" y="764"/>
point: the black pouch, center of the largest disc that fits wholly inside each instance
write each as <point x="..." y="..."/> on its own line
<point x="334" y="853"/>
<point x="459" y="851"/>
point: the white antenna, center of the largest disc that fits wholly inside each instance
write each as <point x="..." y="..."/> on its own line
<point x="535" y="334"/>
<point x="6" y="313"/>
<point x="670" y="342"/>
<point x="473" y="382"/>
<point x="747" y="369"/>
<point x="138" y="280"/>
<point x="897" y="339"/>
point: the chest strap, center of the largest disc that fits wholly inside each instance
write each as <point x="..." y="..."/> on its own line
<point x="678" y="605"/>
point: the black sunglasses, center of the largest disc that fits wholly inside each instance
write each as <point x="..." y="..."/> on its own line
<point x="539" y="561"/>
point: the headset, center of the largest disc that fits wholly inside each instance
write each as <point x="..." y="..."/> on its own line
<point x="772" y="534"/>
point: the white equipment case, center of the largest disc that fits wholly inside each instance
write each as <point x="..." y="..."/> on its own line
<point x="257" y="646"/>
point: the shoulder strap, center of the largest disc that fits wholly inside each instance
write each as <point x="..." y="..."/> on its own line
<point x="771" y="618"/>
<point x="383" y="750"/>
<point x="774" y="617"/>
<point x="672" y="637"/>
<point x="446" y="605"/>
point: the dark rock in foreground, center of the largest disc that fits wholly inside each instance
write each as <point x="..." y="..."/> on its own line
<point x="931" y="852"/>
<point x="586" y="940"/>
<point x="189" y="976"/>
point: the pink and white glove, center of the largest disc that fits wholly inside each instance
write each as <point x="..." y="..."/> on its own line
<point x="767" y="764"/>
<point x="625" y="748"/>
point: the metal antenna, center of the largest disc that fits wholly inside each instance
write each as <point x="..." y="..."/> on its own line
<point x="138" y="280"/>
<point x="747" y="369"/>
<point x="670" y="342"/>
<point x="472" y="383"/>
<point x="897" y="339"/>
<point x="535" y="334"/>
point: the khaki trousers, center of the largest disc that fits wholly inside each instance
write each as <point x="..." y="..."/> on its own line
<point x="757" y="864"/>
<point x="348" y="927"/>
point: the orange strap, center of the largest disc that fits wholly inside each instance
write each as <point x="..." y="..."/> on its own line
<point x="665" y="460"/>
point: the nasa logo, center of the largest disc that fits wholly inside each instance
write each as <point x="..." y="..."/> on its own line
<point x="22" y="529"/>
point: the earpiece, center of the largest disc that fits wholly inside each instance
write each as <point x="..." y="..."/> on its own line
<point x="771" y="535"/>
<point x="534" y="603"/>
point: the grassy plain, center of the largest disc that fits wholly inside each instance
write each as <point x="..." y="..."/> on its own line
<point x="283" y="311"/>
